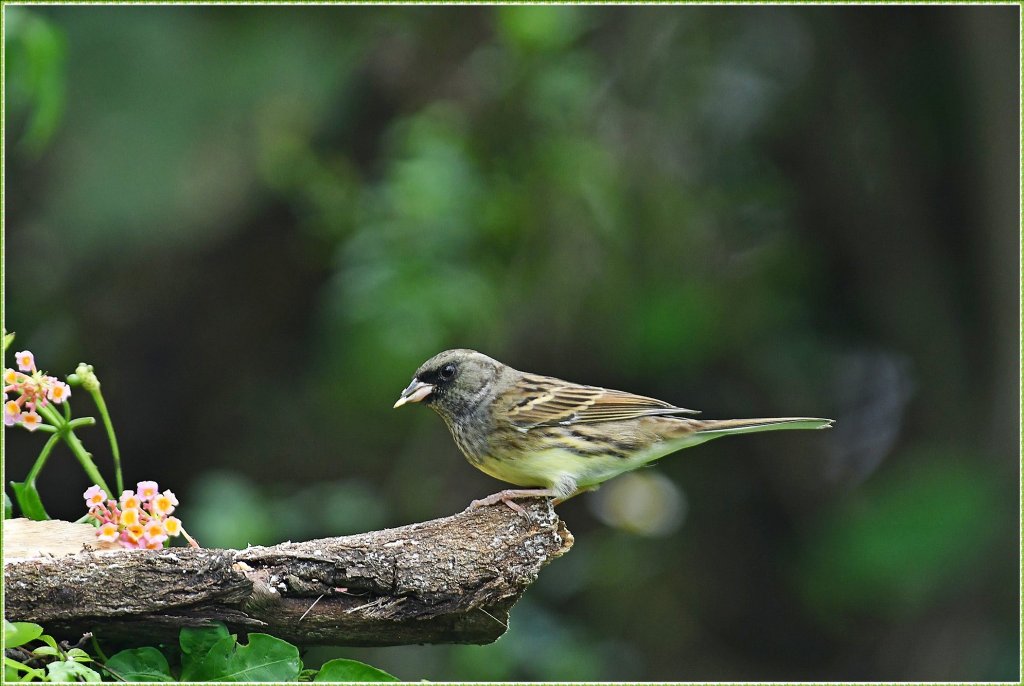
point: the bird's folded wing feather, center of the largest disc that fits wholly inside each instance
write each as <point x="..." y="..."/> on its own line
<point x="544" y="401"/>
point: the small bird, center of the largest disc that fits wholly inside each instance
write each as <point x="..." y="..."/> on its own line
<point x="561" y="438"/>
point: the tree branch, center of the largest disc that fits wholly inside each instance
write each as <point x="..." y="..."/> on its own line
<point x="450" y="580"/>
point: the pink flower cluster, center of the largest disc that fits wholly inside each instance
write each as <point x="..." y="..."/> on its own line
<point x="34" y="390"/>
<point x="139" y="519"/>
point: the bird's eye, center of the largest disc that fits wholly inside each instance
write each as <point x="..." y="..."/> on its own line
<point x="447" y="372"/>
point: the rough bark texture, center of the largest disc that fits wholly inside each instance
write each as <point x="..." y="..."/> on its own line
<point x="450" y="580"/>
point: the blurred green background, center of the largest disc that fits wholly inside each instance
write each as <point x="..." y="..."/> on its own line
<point x="257" y="222"/>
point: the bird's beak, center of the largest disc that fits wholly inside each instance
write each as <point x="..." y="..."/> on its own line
<point x="415" y="392"/>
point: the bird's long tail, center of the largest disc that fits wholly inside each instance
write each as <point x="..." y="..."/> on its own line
<point x="726" y="427"/>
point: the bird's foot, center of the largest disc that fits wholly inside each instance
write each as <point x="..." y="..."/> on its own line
<point x="508" y="497"/>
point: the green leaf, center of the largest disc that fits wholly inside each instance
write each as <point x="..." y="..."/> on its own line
<point x="50" y="641"/>
<point x="44" y="651"/>
<point x="197" y="641"/>
<point x="79" y="655"/>
<point x="20" y="633"/>
<point x="8" y="507"/>
<point x="12" y="667"/>
<point x="69" y="670"/>
<point x="352" y="670"/>
<point x="140" y="664"/>
<point x="265" y="659"/>
<point x="8" y="339"/>
<point x="29" y="501"/>
<point x="10" y="663"/>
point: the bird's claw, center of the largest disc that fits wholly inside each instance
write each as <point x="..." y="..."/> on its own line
<point x="506" y="497"/>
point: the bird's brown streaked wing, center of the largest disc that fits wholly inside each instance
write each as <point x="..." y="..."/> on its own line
<point x="543" y="401"/>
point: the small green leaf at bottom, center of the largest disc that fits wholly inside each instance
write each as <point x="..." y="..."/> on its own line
<point x="29" y="501"/>
<point x="69" y="670"/>
<point x="265" y="659"/>
<point x="140" y="664"/>
<point x="351" y="670"/>
<point x="197" y="641"/>
<point x="78" y="655"/>
<point x="13" y="668"/>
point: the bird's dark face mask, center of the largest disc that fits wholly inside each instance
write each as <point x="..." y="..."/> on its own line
<point x="452" y="383"/>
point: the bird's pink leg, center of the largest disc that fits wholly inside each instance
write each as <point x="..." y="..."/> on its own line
<point x="507" y="497"/>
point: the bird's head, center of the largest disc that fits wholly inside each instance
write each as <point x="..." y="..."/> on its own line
<point x="453" y="382"/>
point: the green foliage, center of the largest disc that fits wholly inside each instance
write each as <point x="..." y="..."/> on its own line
<point x="264" y="658"/>
<point x="16" y="671"/>
<point x="212" y="654"/>
<point x="195" y="642"/>
<point x="29" y="502"/>
<point x="20" y="633"/>
<point x="56" y="663"/>
<point x="207" y="654"/>
<point x="140" y="664"/>
<point x="351" y="670"/>
<point x="71" y="670"/>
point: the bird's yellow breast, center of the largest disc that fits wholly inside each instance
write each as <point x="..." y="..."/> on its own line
<point x="547" y="468"/>
<point x="543" y="468"/>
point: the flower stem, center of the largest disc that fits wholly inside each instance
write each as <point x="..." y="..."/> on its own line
<point x="96" y="647"/>
<point x="46" y="429"/>
<point x="44" y="454"/>
<point x="52" y="416"/>
<point x="66" y="431"/>
<point x="97" y="397"/>
<point x="81" y="421"/>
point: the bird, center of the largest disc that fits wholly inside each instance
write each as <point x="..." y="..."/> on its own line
<point x="557" y="437"/>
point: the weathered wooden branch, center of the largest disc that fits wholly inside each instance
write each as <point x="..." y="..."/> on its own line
<point x="450" y="580"/>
